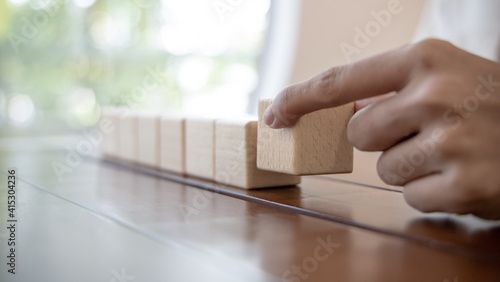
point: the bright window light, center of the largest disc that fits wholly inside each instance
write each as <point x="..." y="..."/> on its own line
<point x="183" y="56"/>
<point x="21" y="110"/>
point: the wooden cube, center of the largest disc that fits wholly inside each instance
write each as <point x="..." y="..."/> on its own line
<point x="172" y="144"/>
<point x="148" y="142"/>
<point x="200" y="153"/>
<point x="129" y="136"/>
<point x="109" y="127"/>
<point x="236" y="153"/>
<point x="316" y="144"/>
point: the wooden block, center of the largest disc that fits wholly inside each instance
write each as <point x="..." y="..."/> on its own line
<point x="316" y="144"/>
<point x="109" y="126"/>
<point x="236" y="153"/>
<point x="200" y="153"/>
<point x="148" y="140"/>
<point x="129" y="136"/>
<point x="172" y="144"/>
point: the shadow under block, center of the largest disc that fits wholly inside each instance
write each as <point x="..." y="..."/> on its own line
<point x="109" y="126"/>
<point x="200" y="153"/>
<point x="316" y="144"/>
<point x="236" y="153"/>
<point x="172" y="139"/>
<point x="129" y="136"/>
<point x="148" y="141"/>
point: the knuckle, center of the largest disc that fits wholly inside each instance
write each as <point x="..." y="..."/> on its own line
<point x="444" y="150"/>
<point x="427" y="100"/>
<point x="456" y="144"/>
<point x="364" y="128"/>
<point x="453" y="143"/>
<point x="356" y="135"/>
<point x="413" y="200"/>
<point x="467" y="195"/>
<point x="428" y="52"/>
<point x="282" y="101"/>
<point x="386" y="171"/>
<point x="435" y="95"/>
<point x="352" y="131"/>
<point x="328" y="83"/>
<point x="282" y="105"/>
<point x="382" y="164"/>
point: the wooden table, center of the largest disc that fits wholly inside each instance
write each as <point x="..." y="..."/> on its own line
<point x="110" y="221"/>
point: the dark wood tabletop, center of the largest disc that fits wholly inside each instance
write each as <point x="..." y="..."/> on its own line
<point x="105" y="220"/>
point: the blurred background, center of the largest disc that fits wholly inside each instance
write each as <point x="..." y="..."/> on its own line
<point x="62" y="61"/>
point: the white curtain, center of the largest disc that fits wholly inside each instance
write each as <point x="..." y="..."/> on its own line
<point x="473" y="25"/>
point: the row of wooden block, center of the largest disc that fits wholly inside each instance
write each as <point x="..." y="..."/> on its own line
<point x="241" y="152"/>
<point x="214" y="149"/>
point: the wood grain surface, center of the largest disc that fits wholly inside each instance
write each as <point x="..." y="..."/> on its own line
<point x="107" y="217"/>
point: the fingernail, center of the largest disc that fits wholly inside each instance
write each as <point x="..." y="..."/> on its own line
<point x="268" y="116"/>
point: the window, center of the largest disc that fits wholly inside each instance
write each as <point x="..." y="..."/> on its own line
<point x="61" y="61"/>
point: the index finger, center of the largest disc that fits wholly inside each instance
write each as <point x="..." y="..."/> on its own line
<point x="336" y="86"/>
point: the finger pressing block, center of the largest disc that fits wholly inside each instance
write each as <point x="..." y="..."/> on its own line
<point x="236" y="153"/>
<point x="316" y="144"/>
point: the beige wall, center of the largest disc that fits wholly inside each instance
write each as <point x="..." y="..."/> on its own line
<point x="325" y="24"/>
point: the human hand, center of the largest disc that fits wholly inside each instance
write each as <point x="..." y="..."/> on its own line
<point x="439" y="132"/>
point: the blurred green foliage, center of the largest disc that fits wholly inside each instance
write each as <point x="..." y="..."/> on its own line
<point x="62" y="55"/>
